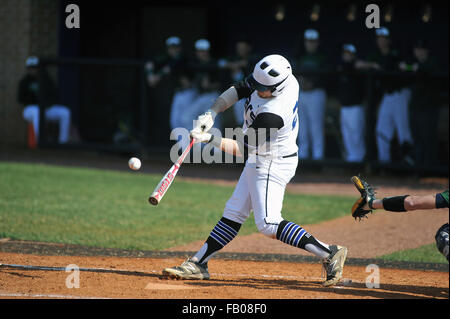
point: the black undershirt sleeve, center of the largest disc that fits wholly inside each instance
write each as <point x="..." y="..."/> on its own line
<point x="243" y="90"/>
<point x="265" y="126"/>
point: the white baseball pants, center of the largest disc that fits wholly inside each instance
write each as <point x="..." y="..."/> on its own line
<point x="187" y="105"/>
<point x="311" y="137"/>
<point x="261" y="189"/>
<point x="179" y="114"/>
<point x="393" y="116"/>
<point x="58" y="113"/>
<point x="352" y="130"/>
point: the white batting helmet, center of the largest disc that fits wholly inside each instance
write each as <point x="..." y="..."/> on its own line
<point x="270" y="74"/>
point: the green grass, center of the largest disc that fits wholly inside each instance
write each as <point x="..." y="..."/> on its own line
<point x="109" y="209"/>
<point x="105" y="208"/>
<point x="426" y="253"/>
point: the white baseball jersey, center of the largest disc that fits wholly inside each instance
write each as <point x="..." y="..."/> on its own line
<point x="280" y="115"/>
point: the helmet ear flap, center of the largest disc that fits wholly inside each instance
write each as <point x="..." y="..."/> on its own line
<point x="279" y="89"/>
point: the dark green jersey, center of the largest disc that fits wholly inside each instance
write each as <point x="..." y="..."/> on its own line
<point x="33" y="90"/>
<point x="425" y="89"/>
<point x="176" y="64"/>
<point x="388" y="63"/>
<point x="350" y="85"/>
<point x="442" y="199"/>
<point x="309" y="63"/>
<point x="314" y="61"/>
<point x="445" y="195"/>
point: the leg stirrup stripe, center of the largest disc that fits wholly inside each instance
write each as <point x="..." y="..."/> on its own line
<point x="218" y="239"/>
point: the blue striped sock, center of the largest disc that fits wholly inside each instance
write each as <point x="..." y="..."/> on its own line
<point x="294" y="235"/>
<point x="221" y="235"/>
<point x="290" y="233"/>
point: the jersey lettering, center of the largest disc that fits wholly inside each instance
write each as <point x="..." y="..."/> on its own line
<point x="249" y="112"/>
<point x="295" y="120"/>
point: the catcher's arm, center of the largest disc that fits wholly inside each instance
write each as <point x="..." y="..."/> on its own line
<point x="406" y="203"/>
<point x="420" y="202"/>
<point x="402" y="203"/>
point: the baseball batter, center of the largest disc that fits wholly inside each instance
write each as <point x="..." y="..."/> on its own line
<point x="271" y="129"/>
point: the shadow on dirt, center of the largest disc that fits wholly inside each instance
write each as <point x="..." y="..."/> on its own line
<point x="386" y="291"/>
<point x="97" y="270"/>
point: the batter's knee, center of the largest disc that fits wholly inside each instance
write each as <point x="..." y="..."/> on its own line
<point x="67" y="113"/>
<point x="268" y="229"/>
<point x="234" y="215"/>
<point x="31" y="112"/>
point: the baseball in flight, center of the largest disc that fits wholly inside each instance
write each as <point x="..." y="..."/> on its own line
<point x="134" y="163"/>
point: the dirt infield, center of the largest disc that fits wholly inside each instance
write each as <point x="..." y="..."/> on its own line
<point x="112" y="277"/>
<point x="382" y="235"/>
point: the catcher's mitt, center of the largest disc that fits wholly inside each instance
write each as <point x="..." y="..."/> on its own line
<point x="367" y="196"/>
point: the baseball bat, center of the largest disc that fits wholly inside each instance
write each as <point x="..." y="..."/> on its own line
<point x="167" y="180"/>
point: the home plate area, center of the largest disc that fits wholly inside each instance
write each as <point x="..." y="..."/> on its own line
<point x="33" y="276"/>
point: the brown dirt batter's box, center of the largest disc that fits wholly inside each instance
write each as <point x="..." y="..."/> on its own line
<point x="131" y="277"/>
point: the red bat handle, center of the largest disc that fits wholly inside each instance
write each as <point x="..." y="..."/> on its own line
<point x="186" y="151"/>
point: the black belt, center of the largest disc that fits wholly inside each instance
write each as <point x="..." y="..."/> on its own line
<point x="291" y="155"/>
<point x="286" y="156"/>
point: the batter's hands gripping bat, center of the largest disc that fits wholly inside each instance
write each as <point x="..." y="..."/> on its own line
<point x="167" y="180"/>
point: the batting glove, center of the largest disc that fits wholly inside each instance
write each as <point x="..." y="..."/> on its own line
<point x="205" y="121"/>
<point x="202" y="137"/>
